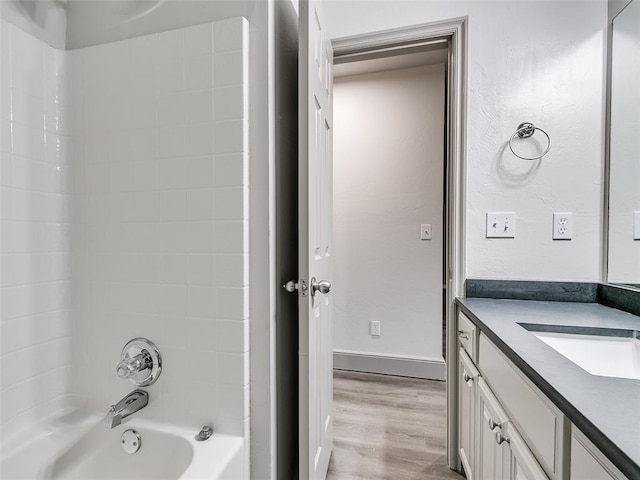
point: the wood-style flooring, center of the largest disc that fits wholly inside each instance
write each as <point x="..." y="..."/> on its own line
<point x="388" y="428"/>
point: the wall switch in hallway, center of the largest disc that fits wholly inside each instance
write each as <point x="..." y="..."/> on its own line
<point x="636" y="225"/>
<point x="562" y="226"/>
<point x="374" y="328"/>
<point x="425" y="231"/>
<point x="501" y="225"/>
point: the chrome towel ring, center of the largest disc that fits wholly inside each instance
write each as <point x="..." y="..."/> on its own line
<point x="526" y="130"/>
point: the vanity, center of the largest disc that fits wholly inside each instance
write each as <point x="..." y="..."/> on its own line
<point x="526" y="411"/>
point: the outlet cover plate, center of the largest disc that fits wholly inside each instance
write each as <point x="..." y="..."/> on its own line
<point x="374" y="328"/>
<point x="562" y="226"/>
<point x="501" y="225"/>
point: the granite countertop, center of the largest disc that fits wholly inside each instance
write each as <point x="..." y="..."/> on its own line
<point x="606" y="409"/>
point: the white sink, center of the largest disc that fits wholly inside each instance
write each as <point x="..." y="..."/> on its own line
<point x="605" y="356"/>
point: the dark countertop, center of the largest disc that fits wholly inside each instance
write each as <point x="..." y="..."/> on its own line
<point x="606" y="409"/>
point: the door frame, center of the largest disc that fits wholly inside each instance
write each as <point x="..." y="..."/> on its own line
<point x="401" y="40"/>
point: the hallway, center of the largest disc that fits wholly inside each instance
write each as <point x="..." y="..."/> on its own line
<point x="388" y="428"/>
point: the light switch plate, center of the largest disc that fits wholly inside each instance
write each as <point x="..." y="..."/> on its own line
<point x="636" y="225"/>
<point x="425" y="231"/>
<point x="501" y="225"/>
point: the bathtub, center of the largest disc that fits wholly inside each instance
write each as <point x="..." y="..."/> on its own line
<point x="84" y="449"/>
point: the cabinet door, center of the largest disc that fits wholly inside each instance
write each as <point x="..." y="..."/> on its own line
<point x="587" y="462"/>
<point x="493" y="458"/>
<point x="523" y="466"/>
<point x="467" y="379"/>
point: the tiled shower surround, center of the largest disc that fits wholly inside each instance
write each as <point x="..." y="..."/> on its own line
<point x="35" y="246"/>
<point x="152" y="220"/>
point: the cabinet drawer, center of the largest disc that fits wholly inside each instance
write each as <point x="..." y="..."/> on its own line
<point x="536" y="418"/>
<point x="468" y="335"/>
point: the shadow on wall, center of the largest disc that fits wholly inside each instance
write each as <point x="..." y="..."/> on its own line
<point x="514" y="172"/>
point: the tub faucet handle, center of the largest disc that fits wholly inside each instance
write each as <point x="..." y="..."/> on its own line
<point x="140" y="362"/>
<point x="128" y="367"/>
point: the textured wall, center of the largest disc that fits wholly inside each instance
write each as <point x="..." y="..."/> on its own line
<point x="35" y="246"/>
<point x="161" y="220"/>
<point x="534" y="61"/>
<point x="388" y="179"/>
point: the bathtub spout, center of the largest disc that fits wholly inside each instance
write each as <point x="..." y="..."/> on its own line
<point x="133" y="402"/>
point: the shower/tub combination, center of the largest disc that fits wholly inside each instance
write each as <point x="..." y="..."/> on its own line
<point x="124" y="217"/>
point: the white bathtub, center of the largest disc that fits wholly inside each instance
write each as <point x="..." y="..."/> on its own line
<point x="85" y="450"/>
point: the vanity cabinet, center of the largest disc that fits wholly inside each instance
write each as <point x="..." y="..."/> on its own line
<point x="518" y="384"/>
<point x="492" y="443"/>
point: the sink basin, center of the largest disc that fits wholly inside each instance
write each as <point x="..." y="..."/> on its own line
<point x="603" y="352"/>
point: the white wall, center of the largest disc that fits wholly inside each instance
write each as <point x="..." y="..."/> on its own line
<point x="624" y="194"/>
<point x="527" y="61"/>
<point x="161" y="220"/>
<point x="35" y="245"/>
<point x="388" y="179"/>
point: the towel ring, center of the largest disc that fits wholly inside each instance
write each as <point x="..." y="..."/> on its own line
<point x="526" y="130"/>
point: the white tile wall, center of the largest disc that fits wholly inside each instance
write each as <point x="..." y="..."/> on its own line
<point x="160" y="231"/>
<point x="35" y="244"/>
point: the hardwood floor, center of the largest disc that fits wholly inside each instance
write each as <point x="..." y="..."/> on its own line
<point x="388" y="428"/>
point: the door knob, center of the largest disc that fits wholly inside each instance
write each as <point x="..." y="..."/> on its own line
<point x="323" y="286"/>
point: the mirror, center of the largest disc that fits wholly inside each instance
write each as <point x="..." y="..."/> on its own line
<point x="624" y="149"/>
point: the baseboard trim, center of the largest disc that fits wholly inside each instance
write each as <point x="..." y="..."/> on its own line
<point x="416" y="367"/>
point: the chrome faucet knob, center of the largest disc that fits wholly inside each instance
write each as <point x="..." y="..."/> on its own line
<point x="128" y="367"/>
<point x="140" y="362"/>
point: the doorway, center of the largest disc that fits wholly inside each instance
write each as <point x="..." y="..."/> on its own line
<point x="430" y="54"/>
<point x="389" y="218"/>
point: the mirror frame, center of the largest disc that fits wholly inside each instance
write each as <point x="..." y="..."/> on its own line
<point x="615" y="7"/>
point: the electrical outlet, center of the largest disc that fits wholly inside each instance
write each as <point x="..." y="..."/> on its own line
<point x="425" y="231"/>
<point x="374" y="328"/>
<point x="501" y="225"/>
<point x="562" y="226"/>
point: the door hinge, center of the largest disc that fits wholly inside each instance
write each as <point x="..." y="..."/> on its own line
<point x="301" y="285"/>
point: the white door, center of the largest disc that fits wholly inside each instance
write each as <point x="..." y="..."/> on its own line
<point x="315" y="351"/>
